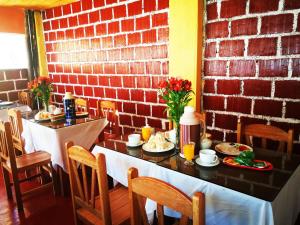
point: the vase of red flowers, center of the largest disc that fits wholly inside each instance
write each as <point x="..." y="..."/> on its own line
<point x="41" y="88"/>
<point x="176" y="93"/>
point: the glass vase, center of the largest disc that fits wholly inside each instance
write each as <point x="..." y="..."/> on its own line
<point x="46" y="106"/>
<point x="177" y="127"/>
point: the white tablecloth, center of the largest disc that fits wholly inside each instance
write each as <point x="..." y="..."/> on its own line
<point x="39" y="137"/>
<point x="223" y="206"/>
<point x="22" y="108"/>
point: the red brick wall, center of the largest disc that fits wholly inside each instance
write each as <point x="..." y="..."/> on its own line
<point x="252" y="65"/>
<point x="11" y="82"/>
<point x="109" y="49"/>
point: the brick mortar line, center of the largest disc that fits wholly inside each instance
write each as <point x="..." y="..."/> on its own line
<point x="111" y="87"/>
<point x="256" y="15"/>
<point x="94" y="26"/>
<point x="270" y="78"/>
<point x="166" y="10"/>
<point x="114" y="48"/>
<point x="107" y="62"/>
<point x="257" y="116"/>
<point x="232" y="58"/>
<point x="254" y="36"/>
<point x="253" y="97"/>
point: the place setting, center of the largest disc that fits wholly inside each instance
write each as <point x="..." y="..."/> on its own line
<point x="151" y="143"/>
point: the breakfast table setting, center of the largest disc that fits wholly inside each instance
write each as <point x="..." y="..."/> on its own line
<point x="265" y="192"/>
<point x="50" y="130"/>
<point x="241" y="183"/>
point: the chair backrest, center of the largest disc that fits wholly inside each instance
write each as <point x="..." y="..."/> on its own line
<point x="7" y="153"/>
<point x="15" y="119"/>
<point x="109" y="109"/>
<point x="25" y="98"/>
<point x="265" y="132"/>
<point x="81" y="105"/>
<point x="141" y="188"/>
<point x="83" y="189"/>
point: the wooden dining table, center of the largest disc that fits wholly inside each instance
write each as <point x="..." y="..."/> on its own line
<point x="233" y="195"/>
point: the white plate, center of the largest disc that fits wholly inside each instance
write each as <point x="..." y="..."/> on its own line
<point x="37" y="118"/>
<point x="4" y="103"/>
<point x="147" y="148"/>
<point x="205" y="164"/>
<point x="130" y="145"/>
<point x="232" y="149"/>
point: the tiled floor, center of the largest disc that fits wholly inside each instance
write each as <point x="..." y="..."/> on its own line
<point x="42" y="209"/>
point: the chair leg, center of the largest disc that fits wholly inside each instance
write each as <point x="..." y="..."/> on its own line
<point x="7" y="183"/>
<point x="17" y="192"/>
<point x="54" y="180"/>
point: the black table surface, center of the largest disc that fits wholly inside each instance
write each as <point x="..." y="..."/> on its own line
<point x="264" y="185"/>
<point x="59" y="123"/>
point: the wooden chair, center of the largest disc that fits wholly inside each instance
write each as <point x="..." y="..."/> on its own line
<point x="110" y="207"/>
<point x="164" y="194"/>
<point x="25" y="98"/>
<point x="265" y="132"/>
<point x="16" y="165"/>
<point x="109" y="109"/>
<point x="15" y="119"/>
<point x="81" y="105"/>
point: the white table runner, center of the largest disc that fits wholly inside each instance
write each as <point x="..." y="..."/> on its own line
<point x="39" y="137"/>
<point x="223" y="205"/>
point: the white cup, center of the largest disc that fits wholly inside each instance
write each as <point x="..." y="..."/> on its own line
<point x="134" y="139"/>
<point x="208" y="156"/>
<point x="57" y="111"/>
<point x="51" y="108"/>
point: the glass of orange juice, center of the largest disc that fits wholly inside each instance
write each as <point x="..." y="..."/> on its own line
<point x="189" y="151"/>
<point x="146" y="132"/>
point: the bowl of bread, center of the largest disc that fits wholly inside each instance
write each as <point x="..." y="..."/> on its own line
<point x="158" y="144"/>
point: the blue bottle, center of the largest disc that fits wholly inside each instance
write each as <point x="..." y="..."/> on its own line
<point x="69" y="106"/>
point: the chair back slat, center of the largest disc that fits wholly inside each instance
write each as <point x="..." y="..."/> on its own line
<point x="92" y="199"/>
<point x="165" y="195"/>
<point x="15" y="119"/>
<point x="7" y="153"/>
<point x="108" y="109"/>
<point x="265" y="132"/>
<point x="25" y="98"/>
<point x="81" y="105"/>
<point x="83" y="190"/>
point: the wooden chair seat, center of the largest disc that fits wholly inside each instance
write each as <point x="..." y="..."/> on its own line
<point x="12" y="166"/>
<point x="119" y="204"/>
<point x="31" y="160"/>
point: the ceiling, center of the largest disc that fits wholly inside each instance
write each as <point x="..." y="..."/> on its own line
<point x="34" y="4"/>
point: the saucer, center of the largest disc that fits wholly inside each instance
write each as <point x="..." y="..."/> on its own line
<point x="132" y="146"/>
<point x="205" y="164"/>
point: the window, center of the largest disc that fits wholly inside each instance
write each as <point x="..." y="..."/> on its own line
<point x="13" y="51"/>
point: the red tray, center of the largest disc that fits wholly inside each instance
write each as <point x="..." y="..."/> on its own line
<point x="230" y="162"/>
